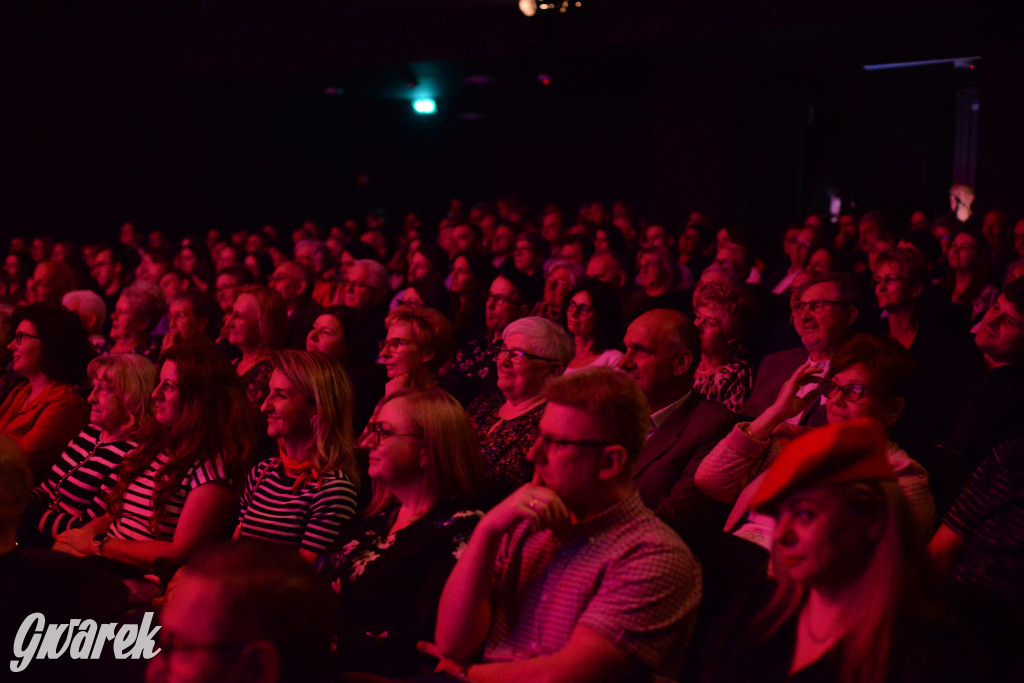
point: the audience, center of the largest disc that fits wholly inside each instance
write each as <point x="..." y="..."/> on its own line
<point x="457" y="321"/>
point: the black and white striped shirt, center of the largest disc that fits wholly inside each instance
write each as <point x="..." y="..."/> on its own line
<point x="75" y="492"/>
<point x="310" y="518"/>
<point x="137" y="507"/>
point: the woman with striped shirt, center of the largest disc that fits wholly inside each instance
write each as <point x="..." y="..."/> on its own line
<point x="176" y="491"/>
<point x="304" y="495"/>
<point x="76" y="490"/>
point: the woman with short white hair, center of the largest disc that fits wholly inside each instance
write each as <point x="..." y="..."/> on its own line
<point x="533" y="351"/>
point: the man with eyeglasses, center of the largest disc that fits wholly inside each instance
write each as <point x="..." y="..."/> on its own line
<point x="662" y="355"/>
<point x="572" y="577"/>
<point x="823" y="314"/>
<point x="245" y="611"/>
<point x="365" y="288"/>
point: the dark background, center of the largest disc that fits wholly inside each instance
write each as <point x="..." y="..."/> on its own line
<point x="188" y="115"/>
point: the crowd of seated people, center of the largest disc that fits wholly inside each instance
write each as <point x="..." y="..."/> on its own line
<point x="460" y="423"/>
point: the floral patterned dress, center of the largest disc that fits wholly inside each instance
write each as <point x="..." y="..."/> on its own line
<point x="390" y="585"/>
<point x="728" y="384"/>
<point x="504" y="449"/>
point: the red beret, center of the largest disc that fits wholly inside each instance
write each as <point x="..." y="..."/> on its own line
<point x="855" y="450"/>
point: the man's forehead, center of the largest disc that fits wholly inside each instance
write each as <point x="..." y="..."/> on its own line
<point x="820" y="290"/>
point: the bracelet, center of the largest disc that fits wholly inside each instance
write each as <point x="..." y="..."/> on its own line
<point x="97" y="543"/>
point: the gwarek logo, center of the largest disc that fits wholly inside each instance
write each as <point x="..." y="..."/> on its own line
<point x="81" y="639"/>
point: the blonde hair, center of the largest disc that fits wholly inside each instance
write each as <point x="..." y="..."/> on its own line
<point x="896" y="581"/>
<point x="133" y="378"/>
<point x="272" y="315"/>
<point x="454" y="468"/>
<point x="322" y="381"/>
<point x="434" y="332"/>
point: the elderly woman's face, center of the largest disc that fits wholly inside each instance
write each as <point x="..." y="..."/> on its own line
<point x="106" y="408"/>
<point x="580" y="317"/>
<point x="820" y="541"/>
<point x="27" y="349"/>
<point x="327" y="336"/>
<point x="522" y="381"/>
<point x="557" y="286"/>
<point x="717" y="328"/>
<point x="243" y="325"/>
<point x="651" y="272"/>
<point x="841" y="408"/>
<point x="400" y="354"/>
<point x="127" y="323"/>
<point x="395" y="443"/>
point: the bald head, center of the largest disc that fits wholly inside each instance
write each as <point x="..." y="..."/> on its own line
<point x="49" y="283"/>
<point x="662" y="354"/>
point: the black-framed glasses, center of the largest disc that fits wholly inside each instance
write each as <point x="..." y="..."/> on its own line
<point x="19" y="337"/>
<point x="852" y="392"/>
<point x="540" y="439"/>
<point x="378" y="431"/>
<point x="516" y="356"/>
<point x="500" y="299"/>
<point x="582" y="309"/>
<point x="816" y="305"/>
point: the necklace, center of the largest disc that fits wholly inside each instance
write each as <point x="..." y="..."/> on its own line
<point x="56" y="501"/>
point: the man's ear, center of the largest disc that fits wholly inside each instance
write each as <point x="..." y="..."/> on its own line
<point x="614" y="461"/>
<point x="683" y="363"/>
<point x="852" y="318"/>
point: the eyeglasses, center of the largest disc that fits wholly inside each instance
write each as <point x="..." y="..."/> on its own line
<point x="850" y="392"/>
<point x="516" y="356"/>
<point x="816" y="306"/>
<point x="353" y="284"/>
<point x="408" y="302"/>
<point x="540" y="439"/>
<point x="392" y="344"/>
<point x="887" y="280"/>
<point x="501" y="299"/>
<point x="378" y="431"/>
<point x="19" y="337"/>
<point x="582" y="309"/>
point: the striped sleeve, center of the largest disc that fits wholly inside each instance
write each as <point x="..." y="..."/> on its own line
<point x="333" y="505"/>
<point x="77" y="488"/>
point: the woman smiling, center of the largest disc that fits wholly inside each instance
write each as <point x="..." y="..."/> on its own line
<point x="304" y="495"/>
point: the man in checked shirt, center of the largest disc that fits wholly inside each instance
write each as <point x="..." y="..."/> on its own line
<point x="571" y="577"/>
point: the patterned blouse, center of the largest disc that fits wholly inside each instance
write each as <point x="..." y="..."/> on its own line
<point x="150" y="349"/>
<point x="256" y="381"/>
<point x="504" y="450"/>
<point x="728" y="384"/>
<point x="390" y="585"/>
